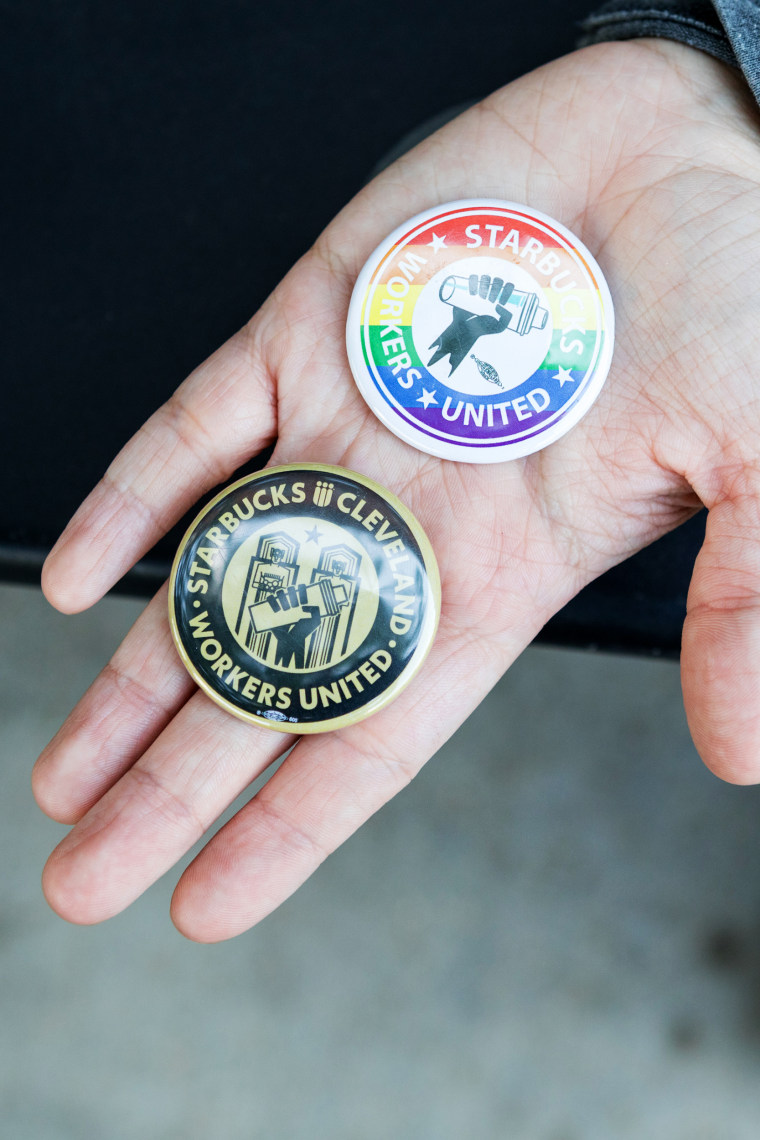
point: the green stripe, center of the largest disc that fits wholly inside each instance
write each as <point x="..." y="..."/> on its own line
<point x="555" y="357"/>
<point x="378" y="343"/>
<point x="573" y="359"/>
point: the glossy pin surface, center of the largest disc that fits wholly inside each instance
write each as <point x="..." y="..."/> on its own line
<point x="304" y="598"/>
<point x="480" y="331"/>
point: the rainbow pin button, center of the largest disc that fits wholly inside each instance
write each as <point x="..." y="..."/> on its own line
<point x="480" y="331"/>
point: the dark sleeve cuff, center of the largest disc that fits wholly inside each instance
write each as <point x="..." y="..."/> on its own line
<point x="726" y="29"/>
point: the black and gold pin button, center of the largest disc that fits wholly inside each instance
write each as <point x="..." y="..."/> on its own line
<point x="304" y="598"/>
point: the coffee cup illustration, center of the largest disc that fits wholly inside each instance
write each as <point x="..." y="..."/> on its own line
<point x="483" y="306"/>
<point x="487" y="296"/>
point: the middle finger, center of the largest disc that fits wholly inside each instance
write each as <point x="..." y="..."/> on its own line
<point x="157" y="810"/>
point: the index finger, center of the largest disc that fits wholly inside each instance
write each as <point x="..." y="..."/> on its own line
<point x="221" y="415"/>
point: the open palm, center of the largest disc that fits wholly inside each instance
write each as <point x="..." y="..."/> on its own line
<point x="650" y="153"/>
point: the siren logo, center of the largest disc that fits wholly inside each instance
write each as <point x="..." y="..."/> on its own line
<point x="482" y="325"/>
<point x="302" y="595"/>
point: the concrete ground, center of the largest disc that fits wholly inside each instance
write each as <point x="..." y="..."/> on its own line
<point x="553" y="934"/>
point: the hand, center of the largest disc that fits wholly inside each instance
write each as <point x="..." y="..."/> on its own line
<point x="649" y="152"/>
<point x="287" y="607"/>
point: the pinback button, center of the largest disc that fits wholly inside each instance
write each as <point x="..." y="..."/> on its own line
<point x="480" y="331"/>
<point x="304" y="598"/>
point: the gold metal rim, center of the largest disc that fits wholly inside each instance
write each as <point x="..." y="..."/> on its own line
<point x="427" y="636"/>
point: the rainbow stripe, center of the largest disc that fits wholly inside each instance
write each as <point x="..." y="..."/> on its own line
<point x="566" y="286"/>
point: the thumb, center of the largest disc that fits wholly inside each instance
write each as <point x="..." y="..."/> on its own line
<point x="720" y="656"/>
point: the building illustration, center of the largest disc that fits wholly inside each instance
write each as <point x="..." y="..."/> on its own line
<point x="273" y="567"/>
<point x="330" y="640"/>
<point x="309" y="626"/>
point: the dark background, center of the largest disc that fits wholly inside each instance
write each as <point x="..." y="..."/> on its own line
<point x="165" y="164"/>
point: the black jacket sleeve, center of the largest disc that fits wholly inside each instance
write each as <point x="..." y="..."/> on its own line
<point x="727" y="29"/>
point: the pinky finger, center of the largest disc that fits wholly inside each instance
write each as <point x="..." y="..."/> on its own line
<point x="326" y="789"/>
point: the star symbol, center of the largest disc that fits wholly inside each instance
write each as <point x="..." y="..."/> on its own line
<point x="563" y="375"/>
<point x="314" y="535"/>
<point x="437" y="242"/>
<point x="427" y="398"/>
